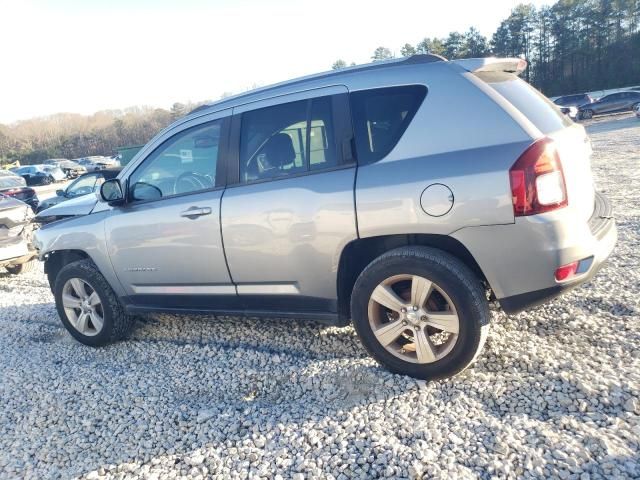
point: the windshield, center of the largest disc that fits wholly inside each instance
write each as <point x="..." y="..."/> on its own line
<point x="82" y="186"/>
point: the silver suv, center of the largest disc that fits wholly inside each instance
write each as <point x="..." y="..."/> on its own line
<point x="401" y="196"/>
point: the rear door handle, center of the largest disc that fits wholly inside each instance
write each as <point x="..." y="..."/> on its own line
<point x="195" y="212"/>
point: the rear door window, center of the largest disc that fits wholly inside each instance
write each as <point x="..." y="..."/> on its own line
<point x="541" y="111"/>
<point x="381" y="116"/>
<point x="287" y="139"/>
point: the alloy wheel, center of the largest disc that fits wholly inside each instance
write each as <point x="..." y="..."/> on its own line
<point x="413" y="318"/>
<point x="83" y="307"/>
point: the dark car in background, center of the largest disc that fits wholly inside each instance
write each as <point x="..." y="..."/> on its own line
<point x="16" y="187"/>
<point x="38" y="174"/>
<point x="573" y="100"/>
<point x="616" y="102"/>
<point x="83" y="185"/>
<point x="569" y="104"/>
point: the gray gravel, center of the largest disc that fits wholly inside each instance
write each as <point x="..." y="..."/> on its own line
<point x="555" y="394"/>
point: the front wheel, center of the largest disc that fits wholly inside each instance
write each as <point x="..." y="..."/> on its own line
<point x="420" y="312"/>
<point x="88" y="307"/>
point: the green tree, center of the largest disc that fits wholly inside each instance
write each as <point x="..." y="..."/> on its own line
<point x="475" y="44"/>
<point x="381" y="53"/>
<point x="338" y="64"/>
<point x="454" y="46"/>
<point x="433" y="45"/>
<point x="407" y="50"/>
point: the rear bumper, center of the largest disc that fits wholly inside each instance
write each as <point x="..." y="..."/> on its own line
<point x="519" y="260"/>
<point x="607" y="237"/>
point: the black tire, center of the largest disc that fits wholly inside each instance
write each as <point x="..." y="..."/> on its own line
<point x="461" y="285"/>
<point x="117" y="324"/>
<point x="21" y="268"/>
<point x="587" y="114"/>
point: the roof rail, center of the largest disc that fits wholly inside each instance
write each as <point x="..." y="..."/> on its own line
<point x="422" y="58"/>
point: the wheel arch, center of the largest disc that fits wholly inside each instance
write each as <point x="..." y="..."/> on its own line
<point x="56" y="260"/>
<point x="357" y="254"/>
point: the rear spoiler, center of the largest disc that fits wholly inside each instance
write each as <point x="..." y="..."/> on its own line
<point x="492" y="64"/>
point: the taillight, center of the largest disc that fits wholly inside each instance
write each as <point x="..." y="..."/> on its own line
<point x="537" y="180"/>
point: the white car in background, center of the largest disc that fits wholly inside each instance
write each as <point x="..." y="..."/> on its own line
<point x="97" y="162"/>
<point x="55" y="172"/>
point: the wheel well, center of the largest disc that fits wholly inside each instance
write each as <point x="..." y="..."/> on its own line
<point x="54" y="262"/>
<point x="359" y="253"/>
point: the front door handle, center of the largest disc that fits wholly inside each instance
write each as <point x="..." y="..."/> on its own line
<point x="195" y="212"/>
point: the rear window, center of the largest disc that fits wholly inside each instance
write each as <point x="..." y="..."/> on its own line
<point x="380" y="117"/>
<point x="541" y="111"/>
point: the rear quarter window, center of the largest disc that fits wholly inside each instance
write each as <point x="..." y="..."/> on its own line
<point x="381" y="116"/>
<point x="541" y="111"/>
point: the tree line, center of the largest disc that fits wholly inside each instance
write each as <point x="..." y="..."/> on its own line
<point x="571" y="46"/>
<point x="69" y="135"/>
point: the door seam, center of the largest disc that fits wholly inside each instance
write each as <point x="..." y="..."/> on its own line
<point x="224" y="249"/>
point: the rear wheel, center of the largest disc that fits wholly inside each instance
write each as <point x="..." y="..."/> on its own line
<point x="88" y="307"/>
<point x="420" y="312"/>
<point x="47" y="180"/>
<point x="21" y="268"/>
<point x="587" y="114"/>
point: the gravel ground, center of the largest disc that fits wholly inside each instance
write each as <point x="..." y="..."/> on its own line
<point x="555" y="394"/>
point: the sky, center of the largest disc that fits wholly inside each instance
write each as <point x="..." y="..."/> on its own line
<point x="82" y="56"/>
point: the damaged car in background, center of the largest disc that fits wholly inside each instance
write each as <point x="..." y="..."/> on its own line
<point x="15" y="186"/>
<point x="16" y="229"/>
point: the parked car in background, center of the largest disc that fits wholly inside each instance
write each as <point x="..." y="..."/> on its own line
<point x="323" y="198"/>
<point x="56" y="172"/>
<point x="571" y="112"/>
<point x="83" y="185"/>
<point x="16" y="251"/>
<point x="54" y="161"/>
<point x="69" y="167"/>
<point x="616" y="102"/>
<point x="36" y="174"/>
<point x="9" y="173"/>
<point x="96" y="162"/>
<point x="88" y="164"/>
<point x="573" y="100"/>
<point x="16" y="187"/>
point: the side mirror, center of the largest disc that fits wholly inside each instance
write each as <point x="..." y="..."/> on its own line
<point x="145" y="191"/>
<point x="61" y="193"/>
<point x="111" y="192"/>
